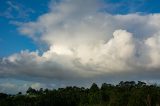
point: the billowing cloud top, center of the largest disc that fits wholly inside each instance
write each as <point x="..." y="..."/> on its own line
<point x="85" y="43"/>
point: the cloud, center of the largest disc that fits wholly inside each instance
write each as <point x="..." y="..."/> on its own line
<point x="15" y="10"/>
<point x="86" y="44"/>
<point x="154" y="53"/>
<point x="16" y="86"/>
<point x="5" y="87"/>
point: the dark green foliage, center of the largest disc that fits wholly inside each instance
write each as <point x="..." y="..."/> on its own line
<point x="127" y="93"/>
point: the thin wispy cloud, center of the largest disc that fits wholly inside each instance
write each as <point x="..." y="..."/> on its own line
<point x="14" y="10"/>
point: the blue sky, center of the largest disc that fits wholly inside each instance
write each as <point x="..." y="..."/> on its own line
<point x="131" y="6"/>
<point x="11" y="40"/>
<point x="56" y="43"/>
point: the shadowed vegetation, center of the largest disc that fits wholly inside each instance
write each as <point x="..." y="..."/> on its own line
<point x="127" y="93"/>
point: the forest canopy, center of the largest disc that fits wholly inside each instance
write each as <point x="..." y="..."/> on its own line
<point x="128" y="93"/>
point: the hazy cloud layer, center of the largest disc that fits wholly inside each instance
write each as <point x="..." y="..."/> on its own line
<point x="15" y="86"/>
<point x="87" y="44"/>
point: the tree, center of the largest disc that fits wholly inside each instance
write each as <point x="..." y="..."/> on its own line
<point x="94" y="88"/>
<point x="126" y="93"/>
<point x="31" y="91"/>
<point x="141" y="84"/>
<point x="94" y="94"/>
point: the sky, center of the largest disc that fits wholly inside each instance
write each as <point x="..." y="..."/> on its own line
<point x="58" y="43"/>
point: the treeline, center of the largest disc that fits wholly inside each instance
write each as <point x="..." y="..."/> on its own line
<point x="127" y="93"/>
